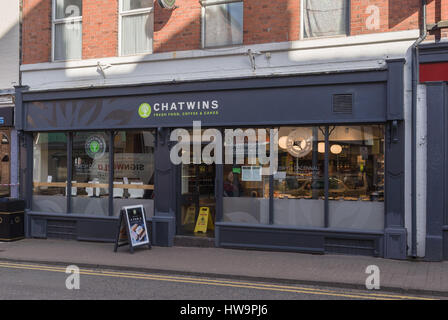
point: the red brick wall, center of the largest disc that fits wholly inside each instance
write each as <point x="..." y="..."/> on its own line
<point x="437" y="10"/>
<point x="180" y="29"/>
<point x="99" y="28"/>
<point x="394" y="15"/>
<point x="271" y="21"/>
<point x="36" y="31"/>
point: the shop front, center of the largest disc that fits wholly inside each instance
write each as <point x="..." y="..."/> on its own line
<point x="310" y="163"/>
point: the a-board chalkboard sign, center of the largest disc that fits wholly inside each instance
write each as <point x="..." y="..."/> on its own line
<point x="132" y="229"/>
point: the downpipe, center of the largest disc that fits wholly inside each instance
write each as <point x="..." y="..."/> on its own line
<point x="415" y="79"/>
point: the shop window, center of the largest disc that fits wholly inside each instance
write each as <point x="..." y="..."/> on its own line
<point x="50" y="172"/>
<point x="326" y="177"/>
<point x="299" y="195"/>
<point x="67" y="29"/>
<point x="323" y="18"/>
<point x="136" y="26"/>
<point x="134" y="170"/>
<point x="356" y="173"/>
<point x="246" y="181"/>
<point x="222" y="23"/>
<point x="90" y="173"/>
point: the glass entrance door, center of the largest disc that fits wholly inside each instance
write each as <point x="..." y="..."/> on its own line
<point x="197" y="200"/>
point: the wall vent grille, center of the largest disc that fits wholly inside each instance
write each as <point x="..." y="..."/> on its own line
<point x="343" y="103"/>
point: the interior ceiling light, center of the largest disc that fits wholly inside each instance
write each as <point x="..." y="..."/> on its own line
<point x="282" y="142"/>
<point x="336" y="149"/>
<point x="321" y="147"/>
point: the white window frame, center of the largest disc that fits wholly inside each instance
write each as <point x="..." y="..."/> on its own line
<point x="302" y="21"/>
<point x="122" y="14"/>
<point x="205" y="3"/>
<point x="54" y="22"/>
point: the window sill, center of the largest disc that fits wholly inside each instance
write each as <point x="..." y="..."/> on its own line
<point x="227" y="46"/>
<point x="67" y="60"/>
<point x="337" y="36"/>
<point x="136" y="55"/>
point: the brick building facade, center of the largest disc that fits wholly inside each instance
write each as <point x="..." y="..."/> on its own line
<point x="265" y="21"/>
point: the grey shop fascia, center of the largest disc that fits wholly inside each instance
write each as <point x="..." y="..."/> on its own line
<point x="360" y="97"/>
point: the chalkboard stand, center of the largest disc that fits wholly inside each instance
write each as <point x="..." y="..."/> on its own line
<point x="122" y="219"/>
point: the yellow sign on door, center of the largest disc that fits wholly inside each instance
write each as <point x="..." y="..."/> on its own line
<point x="204" y="220"/>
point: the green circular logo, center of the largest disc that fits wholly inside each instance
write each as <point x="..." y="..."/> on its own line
<point x="144" y="111"/>
<point x="94" y="146"/>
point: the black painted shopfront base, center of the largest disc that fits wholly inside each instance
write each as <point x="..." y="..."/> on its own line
<point x="228" y="235"/>
<point x="72" y="227"/>
<point x="307" y="240"/>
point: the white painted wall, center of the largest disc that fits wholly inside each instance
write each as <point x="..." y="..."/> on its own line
<point x="9" y="44"/>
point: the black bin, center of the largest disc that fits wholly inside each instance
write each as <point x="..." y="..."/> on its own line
<point x="12" y="212"/>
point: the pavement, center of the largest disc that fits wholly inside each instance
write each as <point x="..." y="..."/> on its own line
<point x="417" y="277"/>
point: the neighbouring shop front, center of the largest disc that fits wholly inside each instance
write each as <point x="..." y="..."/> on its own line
<point x="338" y="183"/>
<point x="433" y="66"/>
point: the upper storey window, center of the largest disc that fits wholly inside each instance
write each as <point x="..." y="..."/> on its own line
<point x="323" y="18"/>
<point x="222" y="23"/>
<point x="67" y="29"/>
<point x="136" y="26"/>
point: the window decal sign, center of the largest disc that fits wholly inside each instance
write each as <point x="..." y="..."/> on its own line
<point x="251" y="173"/>
<point x="299" y="144"/>
<point x="95" y="146"/>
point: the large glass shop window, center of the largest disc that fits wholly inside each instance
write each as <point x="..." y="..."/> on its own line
<point x="246" y="181"/>
<point x="299" y="195"/>
<point x="90" y="177"/>
<point x="50" y="172"/>
<point x="134" y="170"/>
<point x="356" y="173"/>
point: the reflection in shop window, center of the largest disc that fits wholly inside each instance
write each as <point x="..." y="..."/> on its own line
<point x="5" y="139"/>
<point x="356" y="172"/>
<point x="5" y="168"/>
<point x="90" y="177"/>
<point x="50" y="172"/>
<point x="246" y="185"/>
<point x="222" y="23"/>
<point x="299" y="183"/>
<point x="134" y="170"/>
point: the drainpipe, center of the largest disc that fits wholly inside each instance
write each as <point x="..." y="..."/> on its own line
<point x="415" y="79"/>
